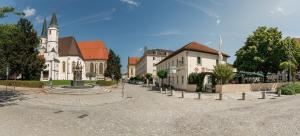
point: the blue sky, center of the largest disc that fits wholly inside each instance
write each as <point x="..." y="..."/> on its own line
<point x="127" y="26"/>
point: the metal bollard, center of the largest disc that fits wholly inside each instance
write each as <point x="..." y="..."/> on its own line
<point x="263" y="93"/>
<point x="243" y="96"/>
<point x="279" y="93"/>
<point x="220" y="96"/>
<point x="199" y="95"/>
<point x="182" y="94"/>
<point x="160" y="90"/>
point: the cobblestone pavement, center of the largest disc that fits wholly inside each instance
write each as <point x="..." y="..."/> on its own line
<point x="144" y="112"/>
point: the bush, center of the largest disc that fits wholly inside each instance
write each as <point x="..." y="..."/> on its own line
<point x="290" y="89"/>
<point x="21" y="83"/>
<point x="193" y="78"/>
<point x="105" y="83"/>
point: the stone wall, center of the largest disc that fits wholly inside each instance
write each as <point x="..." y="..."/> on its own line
<point x="232" y="88"/>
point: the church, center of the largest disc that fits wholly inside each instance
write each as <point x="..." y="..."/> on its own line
<point x="62" y="54"/>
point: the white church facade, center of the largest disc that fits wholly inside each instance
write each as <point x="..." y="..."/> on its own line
<point x="61" y="54"/>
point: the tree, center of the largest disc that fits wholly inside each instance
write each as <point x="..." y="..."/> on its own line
<point x="148" y="78"/>
<point x="223" y="73"/>
<point x="162" y="74"/>
<point x="193" y="78"/>
<point x="290" y="67"/>
<point x="8" y="32"/>
<point x="262" y="52"/>
<point x="7" y="9"/>
<point x="27" y="57"/>
<point x="18" y="47"/>
<point x="113" y="66"/>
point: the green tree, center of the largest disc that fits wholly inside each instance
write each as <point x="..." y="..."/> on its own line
<point x="290" y="67"/>
<point x="113" y="66"/>
<point x="8" y="32"/>
<point x="7" y="9"/>
<point x="162" y="74"/>
<point x="261" y="52"/>
<point x="18" y="47"/>
<point x="149" y="76"/>
<point x="224" y="73"/>
<point x="193" y="78"/>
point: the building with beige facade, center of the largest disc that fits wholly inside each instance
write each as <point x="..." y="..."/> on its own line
<point x="193" y="57"/>
<point x="147" y="63"/>
<point x="131" y="67"/>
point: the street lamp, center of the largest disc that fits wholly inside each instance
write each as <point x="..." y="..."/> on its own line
<point x="290" y="61"/>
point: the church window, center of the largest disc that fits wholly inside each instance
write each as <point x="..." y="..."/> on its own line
<point x="101" y="68"/>
<point x="73" y="66"/>
<point x="91" y="67"/>
<point x="64" y="66"/>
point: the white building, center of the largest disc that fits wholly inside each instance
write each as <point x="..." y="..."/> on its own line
<point x="62" y="54"/>
<point x="193" y="57"/>
<point x="147" y="63"/>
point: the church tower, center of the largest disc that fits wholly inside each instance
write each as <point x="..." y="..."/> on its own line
<point x="52" y="37"/>
<point x="51" y="53"/>
<point x="43" y="39"/>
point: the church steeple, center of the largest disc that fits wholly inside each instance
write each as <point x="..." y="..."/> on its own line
<point x="44" y="30"/>
<point x="53" y="22"/>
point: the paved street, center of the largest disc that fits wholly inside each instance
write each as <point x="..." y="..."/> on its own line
<point x="145" y="112"/>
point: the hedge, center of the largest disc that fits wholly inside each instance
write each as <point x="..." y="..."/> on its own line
<point x="105" y="83"/>
<point x="290" y="89"/>
<point x="21" y="83"/>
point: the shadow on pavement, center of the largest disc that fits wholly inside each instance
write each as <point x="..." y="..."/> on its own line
<point x="8" y="98"/>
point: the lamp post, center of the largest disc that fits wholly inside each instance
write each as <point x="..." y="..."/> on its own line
<point x="7" y="73"/>
<point x="290" y="61"/>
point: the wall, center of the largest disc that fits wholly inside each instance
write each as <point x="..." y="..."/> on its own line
<point x="232" y="88"/>
<point x="68" y="74"/>
<point x="131" y="73"/>
<point x="96" y="68"/>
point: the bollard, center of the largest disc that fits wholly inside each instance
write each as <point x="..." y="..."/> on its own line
<point x="182" y="94"/>
<point x="160" y="90"/>
<point x="166" y="90"/>
<point x="172" y="92"/>
<point x="263" y="93"/>
<point x="279" y="93"/>
<point x="199" y="95"/>
<point x="243" y="96"/>
<point x="220" y="96"/>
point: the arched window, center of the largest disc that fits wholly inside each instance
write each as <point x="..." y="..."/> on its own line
<point x="91" y="67"/>
<point x="64" y="66"/>
<point x="73" y="66"/>
<point x="101" y="68"/>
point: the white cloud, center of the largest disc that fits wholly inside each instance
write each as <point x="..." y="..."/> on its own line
<point x="98" y="17"/>
<point x="29" y="12"/>
<point x="218" y="21"/>
<point x="39" y="19"/>
<point x="130" y="2"/>
<point x="279" y="11"/>
<point x="204" y="10"/>
<point x="167" y="33"/>
<point x="140" y="49"/>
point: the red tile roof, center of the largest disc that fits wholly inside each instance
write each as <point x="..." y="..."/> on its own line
<point x="133" y="60"/>
<point x="93" y="50"/>
<point x="194" y="46"/>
